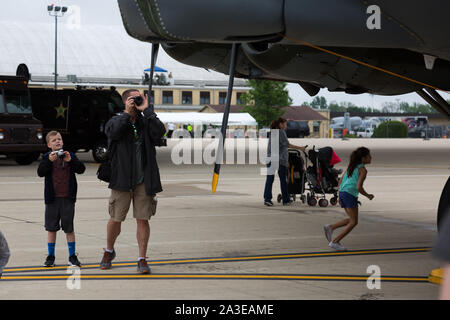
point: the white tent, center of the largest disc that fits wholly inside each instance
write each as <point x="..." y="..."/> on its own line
<point x="234" y="119"/>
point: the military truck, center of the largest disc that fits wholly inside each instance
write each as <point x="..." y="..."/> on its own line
<point x="21" y="135"/>
<point x="79" y="115"/>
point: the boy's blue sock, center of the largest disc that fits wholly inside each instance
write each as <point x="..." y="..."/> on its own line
<point x="71" y="246"/>
<point x="51" y="248"/>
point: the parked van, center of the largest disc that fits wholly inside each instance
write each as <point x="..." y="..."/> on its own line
<point x="79" y="115"/>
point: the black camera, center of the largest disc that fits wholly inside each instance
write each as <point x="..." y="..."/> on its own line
<point x="161" y="142"/>
<point x="138" y="100"/>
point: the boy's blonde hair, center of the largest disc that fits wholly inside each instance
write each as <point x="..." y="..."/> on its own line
<point x="51" y="134"/>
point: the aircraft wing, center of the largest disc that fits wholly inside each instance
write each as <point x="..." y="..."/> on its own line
<point x="383" y="47"/>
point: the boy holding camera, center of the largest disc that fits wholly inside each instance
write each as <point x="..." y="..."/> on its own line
<point x="60" y="192"/>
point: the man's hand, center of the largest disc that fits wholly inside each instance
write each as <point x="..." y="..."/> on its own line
<point x="144" y="104"/>
<point x="67" y="157"/>
<point x="130" y="106"/>
<point x="53" y="156"/>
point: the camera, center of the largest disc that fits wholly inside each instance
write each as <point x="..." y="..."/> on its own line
<point x="138" y="100"/>
<point x="161" y="142"/>
<point x="60" y="153"/>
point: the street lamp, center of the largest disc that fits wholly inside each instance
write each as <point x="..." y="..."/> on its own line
<point x="56" y="11"/>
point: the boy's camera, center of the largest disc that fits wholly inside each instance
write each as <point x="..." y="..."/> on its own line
<point x="60" y="153"/>
<point x="138" y="100"/>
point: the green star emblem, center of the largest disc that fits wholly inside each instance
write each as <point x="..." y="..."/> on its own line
<point x="60" y="111"/>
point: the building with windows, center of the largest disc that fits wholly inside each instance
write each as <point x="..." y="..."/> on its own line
<point x="102" y="56"/>
<point x="318" y="120"/>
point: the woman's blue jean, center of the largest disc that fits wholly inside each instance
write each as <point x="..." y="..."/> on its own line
<point x="283" y="175"/>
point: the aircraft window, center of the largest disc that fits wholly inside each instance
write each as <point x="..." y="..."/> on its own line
<point x="167" y="97"/>
<point x="205" y="97"/>
<point x="2" y="105"/>
<point x="17" y="102"/>
<point x="186" y="97"/>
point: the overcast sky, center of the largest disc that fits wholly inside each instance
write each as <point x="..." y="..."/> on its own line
<point x="106" y="12"/>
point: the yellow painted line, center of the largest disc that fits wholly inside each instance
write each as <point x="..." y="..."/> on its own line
<point x="230" y="259"/>
<point x="219" y="277"/>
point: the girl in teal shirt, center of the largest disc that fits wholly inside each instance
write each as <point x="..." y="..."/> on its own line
<point x="350" y="185"/>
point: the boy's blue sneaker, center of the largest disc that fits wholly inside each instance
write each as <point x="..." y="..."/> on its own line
<point x="49" y="262"/>
<point x="73" y="261"/>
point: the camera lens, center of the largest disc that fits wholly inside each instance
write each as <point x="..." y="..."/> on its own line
<point x="138" y="100"/>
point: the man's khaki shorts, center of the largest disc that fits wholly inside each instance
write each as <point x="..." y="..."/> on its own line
<point x="144" y="206"/>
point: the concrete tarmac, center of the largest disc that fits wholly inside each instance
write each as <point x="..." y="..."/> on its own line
<point x="228" y="245"/>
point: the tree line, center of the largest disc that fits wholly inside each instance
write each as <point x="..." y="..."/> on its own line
<point x="266" y="100"/>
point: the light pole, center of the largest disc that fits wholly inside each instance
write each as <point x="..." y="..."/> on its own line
<point x="56" y="11"/>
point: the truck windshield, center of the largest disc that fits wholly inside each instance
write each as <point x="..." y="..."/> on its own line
<point x="2" y="106"/>
<point x="17" y="102"/>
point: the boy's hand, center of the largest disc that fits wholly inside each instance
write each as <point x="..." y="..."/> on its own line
<point x="53" y="156"/>
<point x="370" y="196"/>
<point x="67" y="157"/>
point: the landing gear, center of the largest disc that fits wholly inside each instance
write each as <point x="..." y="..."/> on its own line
<point x="444" y="204"/>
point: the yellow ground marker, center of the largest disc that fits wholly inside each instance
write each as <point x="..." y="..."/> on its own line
<point x="436" y="276"/>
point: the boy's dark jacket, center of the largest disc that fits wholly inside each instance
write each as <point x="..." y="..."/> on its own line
<point x="45" y="169"/>
<point x="120" y="133"/>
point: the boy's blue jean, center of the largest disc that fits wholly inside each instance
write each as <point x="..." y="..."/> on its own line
<point x="283" y="175"/>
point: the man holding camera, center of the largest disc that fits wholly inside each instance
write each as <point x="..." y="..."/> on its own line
<point x="132" y="137"/>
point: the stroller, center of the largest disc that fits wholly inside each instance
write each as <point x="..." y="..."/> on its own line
<point x="321" y="177"/>
<point x="296" y="177"/>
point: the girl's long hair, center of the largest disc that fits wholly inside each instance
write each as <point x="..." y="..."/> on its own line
<point x="276" y="123"/>
<point x="356" y="159"/>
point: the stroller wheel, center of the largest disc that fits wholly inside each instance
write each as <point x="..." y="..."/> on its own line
<point x="333" y="201"/>
<point x="279" y="198"/>
<point x="312" y="201"/>
<point x="323" y="203"/>
<point x="303" y="198"/>
<point x="293" y="197"/>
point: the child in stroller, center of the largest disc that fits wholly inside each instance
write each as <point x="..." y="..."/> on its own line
<point x="322" y="178"/>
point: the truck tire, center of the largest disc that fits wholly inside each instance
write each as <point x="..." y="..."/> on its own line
<point x="27" y="159"/>
<point x="99" y="151"/>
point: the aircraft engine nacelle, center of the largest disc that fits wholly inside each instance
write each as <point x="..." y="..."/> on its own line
<point x="302" y="64"/>
<point x="215" y="57"/>
<point x="202" y="20"/>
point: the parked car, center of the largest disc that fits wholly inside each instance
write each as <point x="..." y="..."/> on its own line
<point x="297" y="129"/>
<point x="364" y="132"/>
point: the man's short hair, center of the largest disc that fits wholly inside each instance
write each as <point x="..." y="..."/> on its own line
<point x="51" y="134"/>
<point x="127" y="93"/>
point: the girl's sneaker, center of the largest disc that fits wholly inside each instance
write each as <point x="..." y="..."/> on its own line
<point x="328" y="232"/>
<point x="337" y="246"/>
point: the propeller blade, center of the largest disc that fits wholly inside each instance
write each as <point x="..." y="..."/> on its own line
<point x="226" y="113"/>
